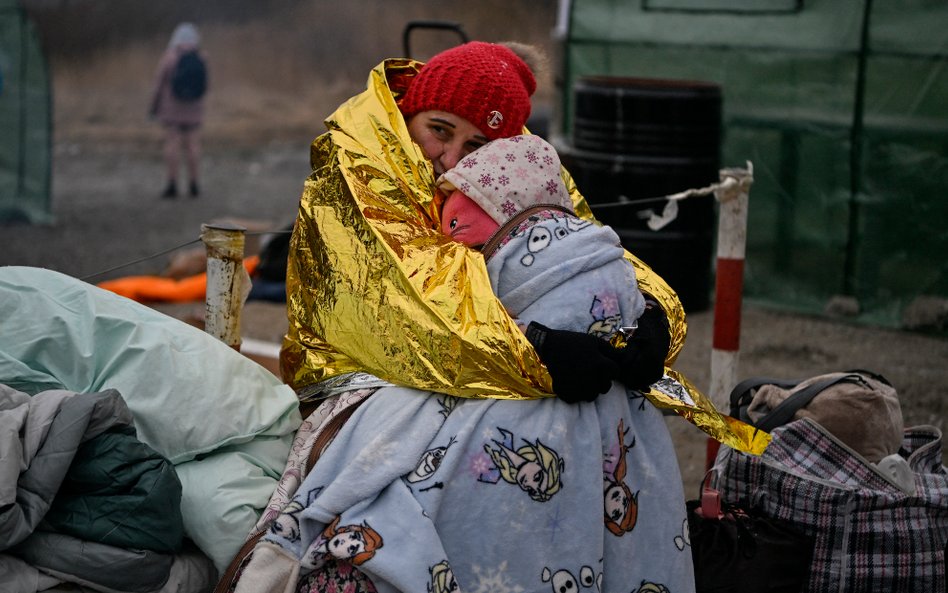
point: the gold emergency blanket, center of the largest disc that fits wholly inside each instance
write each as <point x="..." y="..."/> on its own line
<point x="373" y="286"/>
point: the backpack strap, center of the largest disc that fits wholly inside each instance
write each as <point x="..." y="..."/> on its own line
<point x="784" y="411"/>
<point x="493" y="242"/>
<point x="743" y="393"/>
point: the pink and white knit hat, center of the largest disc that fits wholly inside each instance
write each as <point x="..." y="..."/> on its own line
<point x="509" y="175"/>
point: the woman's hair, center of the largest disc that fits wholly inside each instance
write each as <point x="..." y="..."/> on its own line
<point x="488" y="84"/>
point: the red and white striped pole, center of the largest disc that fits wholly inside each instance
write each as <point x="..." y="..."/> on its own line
<point x="732" y="195"/>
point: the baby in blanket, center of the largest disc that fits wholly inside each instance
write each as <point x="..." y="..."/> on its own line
<point x="550" y="268"/>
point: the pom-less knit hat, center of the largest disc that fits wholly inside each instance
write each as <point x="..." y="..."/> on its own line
<point x="509" y="175"/>
<point x="485" y="83"/>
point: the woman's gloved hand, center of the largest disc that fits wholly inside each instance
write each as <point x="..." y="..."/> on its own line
<point x="581" y="365"/>
<point x="642" y="361"/>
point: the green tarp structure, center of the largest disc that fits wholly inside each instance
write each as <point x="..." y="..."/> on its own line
<point x="25" y="120"/>
<point x="841" y="105"/>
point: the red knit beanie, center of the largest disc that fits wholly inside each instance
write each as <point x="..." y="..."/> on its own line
<point x="485" y="83"/>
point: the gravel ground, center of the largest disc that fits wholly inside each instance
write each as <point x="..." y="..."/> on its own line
<point x="108" y="213"/>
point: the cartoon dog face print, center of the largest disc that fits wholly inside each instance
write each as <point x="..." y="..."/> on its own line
<point x="541" y="236"/>
<point x="574" y="223"/>
<point x="685" y="538"/>
<point x="355" y="543"/>
<point x="442" y="579"/>
<point x="538" y="239"/>
<point x="563" y="581"/>
<point x="621" y="506"/>
<point x="534" y="467"/>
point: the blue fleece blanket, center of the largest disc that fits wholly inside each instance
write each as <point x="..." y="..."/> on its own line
<point x="423" y="491"/>
<point x="566" y="273"/>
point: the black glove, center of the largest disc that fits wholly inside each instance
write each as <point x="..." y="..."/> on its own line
<point x="582" y="366"/>
<point x="642" y="361"/>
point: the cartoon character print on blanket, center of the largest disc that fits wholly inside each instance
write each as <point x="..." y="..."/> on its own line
<point x="621" y="505"/>
<point x="566" y="273"/>
<point x="429" y="464"/>
<point x="287" y="524"/>
<point x="432" y="458"/>
<point x="355" y="543"/>
<point x="442" y="578"/>
<point x="563" y="581"/>
<point x="648" y="587"/>
<point x="606" y="314"/>
<point x="336" y="576"/>
<point x="556" y="225"/>
<point x="534" y="467"/>
<point x="518" y="472"/>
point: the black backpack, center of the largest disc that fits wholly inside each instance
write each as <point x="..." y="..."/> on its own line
<point x="189" y="79"/>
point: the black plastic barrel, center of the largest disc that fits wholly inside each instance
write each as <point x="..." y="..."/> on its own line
<point x="639" y="138"/>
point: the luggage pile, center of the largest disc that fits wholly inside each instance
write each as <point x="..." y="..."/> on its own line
<point x="842" y="469"/>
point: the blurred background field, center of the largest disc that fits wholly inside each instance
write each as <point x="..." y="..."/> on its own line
<point x="278" y="68"/>
<point x="839" y="105"/>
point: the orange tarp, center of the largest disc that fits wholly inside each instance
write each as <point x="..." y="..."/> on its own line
<point x="145" y="289"/>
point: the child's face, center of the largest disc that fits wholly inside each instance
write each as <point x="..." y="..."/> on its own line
<point x="466" y="222"/>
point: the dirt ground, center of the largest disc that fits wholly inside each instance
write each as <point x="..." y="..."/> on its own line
<point x="108" y="213"/>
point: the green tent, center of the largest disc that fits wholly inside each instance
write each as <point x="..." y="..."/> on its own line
<point x="841" y="105"/>
<point x="25" y="120"/>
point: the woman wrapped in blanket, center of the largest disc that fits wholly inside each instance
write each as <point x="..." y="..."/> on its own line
<point x="459" y="470"/>
<point x="372" y="286"/>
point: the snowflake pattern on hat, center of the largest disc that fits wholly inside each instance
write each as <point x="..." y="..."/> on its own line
<point x="508" y="175"/>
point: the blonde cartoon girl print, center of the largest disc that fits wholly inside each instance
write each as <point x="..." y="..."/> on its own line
<point x="442" y="579"/>
<point x="534" y="467"/>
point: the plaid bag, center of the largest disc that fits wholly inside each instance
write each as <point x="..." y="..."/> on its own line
<point x="871" y="535"/>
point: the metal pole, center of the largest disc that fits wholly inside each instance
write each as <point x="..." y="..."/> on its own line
<point x="732" y="196"/>
<point x="227" y="281"/>
<point x="850" y="284"/>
